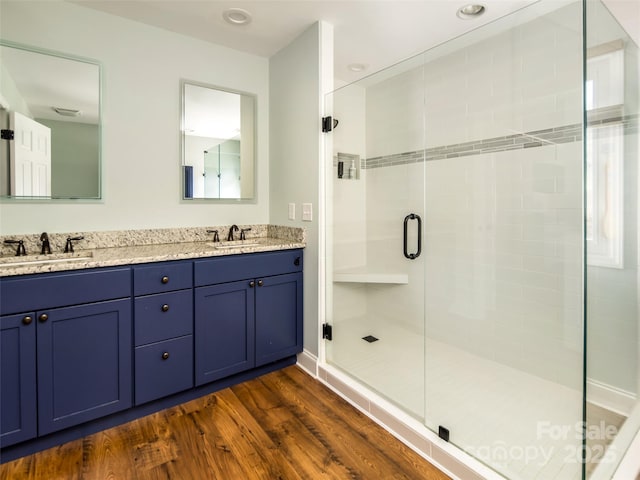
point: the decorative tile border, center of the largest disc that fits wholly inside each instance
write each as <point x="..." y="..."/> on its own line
<point x="536" y="138"/>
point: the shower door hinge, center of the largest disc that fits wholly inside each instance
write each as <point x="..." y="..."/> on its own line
<point x="327" y="124"/>
<point x="327" y="331"/>
<point x="6" y="134"/>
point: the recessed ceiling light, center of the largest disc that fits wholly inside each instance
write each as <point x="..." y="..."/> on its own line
<point x="470" y="11"/>
<point x="66" y="112"/>
<point x="357" y="67"/>
<point x="236" y="16"/>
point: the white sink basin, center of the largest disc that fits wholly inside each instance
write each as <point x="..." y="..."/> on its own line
<point x="45" y="259"/>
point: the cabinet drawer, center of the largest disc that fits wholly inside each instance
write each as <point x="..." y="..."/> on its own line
<point x="162" y="316"/>
<point x="163" y="368"/>
<point x="239" y="267"/>
<point x="162" y="277"/>
<point x="34" y="292"/>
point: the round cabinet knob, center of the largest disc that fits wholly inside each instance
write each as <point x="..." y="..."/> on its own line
<point x="296" y="262"/>
<point x="27" y="320"/>
<point x="252" y="284"/>
<point x="165" y="355"/>
<point x="44" y="317"/>
<point x="260" y="283"/>
<point x="165" y="279"/>
<point x="165" y="308"/>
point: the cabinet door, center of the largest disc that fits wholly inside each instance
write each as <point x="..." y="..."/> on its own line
<point x="84" y="363"/>
<point x="278" y="317"/>
<point x="224" y="330"/>
<point x="17" y="378"/>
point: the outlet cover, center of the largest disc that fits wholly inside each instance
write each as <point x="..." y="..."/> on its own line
<point x="307" y="212"/>
<point x="292" y="211"/>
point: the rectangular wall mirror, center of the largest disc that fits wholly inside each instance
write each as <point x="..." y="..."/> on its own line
<point x="218" y="143"/>
<point x="50" y="118"/>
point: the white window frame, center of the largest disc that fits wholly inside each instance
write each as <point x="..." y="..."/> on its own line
<point x="604" y="179"/>
<point x="605" y="186"/>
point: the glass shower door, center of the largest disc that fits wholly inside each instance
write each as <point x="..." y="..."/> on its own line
<point x="375" y="284"/>
<point x="503" y="243"/>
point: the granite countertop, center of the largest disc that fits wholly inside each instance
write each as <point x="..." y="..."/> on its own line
<point x="112" y="253"/>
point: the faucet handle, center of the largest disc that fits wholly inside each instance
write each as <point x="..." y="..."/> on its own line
<point x="242" y="233"/>
<point x="216" y="238"/>
<point x="69" y="246"/>
<point x="20" y="251"/>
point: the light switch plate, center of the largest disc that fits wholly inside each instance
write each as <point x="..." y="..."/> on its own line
<point x="307" y="212"/>
<point x="292" y="211"/>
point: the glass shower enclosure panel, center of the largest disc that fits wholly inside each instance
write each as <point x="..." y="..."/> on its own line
<point x="376" y="196"/>
<point x="612" y="100"/>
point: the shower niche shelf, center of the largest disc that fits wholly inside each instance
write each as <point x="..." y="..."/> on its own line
<point x="367" y="275"/>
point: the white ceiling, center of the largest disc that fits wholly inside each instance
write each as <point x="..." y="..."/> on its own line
<point x="377" y="33"/>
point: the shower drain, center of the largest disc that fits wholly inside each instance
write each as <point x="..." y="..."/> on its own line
<point x="370" y="338"/>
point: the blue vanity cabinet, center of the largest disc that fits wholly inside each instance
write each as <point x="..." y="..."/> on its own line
<point x="86" y="349"/>
<point x="79" y="339"/>
<point x="163" y="329"/>
<point x="248" y="312"/>
<point x="17" y="378"/>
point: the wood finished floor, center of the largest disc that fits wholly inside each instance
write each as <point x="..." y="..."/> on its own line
<point x="284" y="425"/>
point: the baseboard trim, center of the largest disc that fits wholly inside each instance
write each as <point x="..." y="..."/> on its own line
<point x="610" y="397"/>
<point x="308" y="362"/>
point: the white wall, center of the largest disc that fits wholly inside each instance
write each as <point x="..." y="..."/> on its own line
<point x="142" y="69"/>
<point x="296" y="76"/>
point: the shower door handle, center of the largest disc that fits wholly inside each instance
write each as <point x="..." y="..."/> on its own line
<point x="413" y="216"/>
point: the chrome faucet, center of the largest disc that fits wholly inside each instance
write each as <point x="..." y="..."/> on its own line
<point x="46" y="246"/>
<point x="231" y="230"/>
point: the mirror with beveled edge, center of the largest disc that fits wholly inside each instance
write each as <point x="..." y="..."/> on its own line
<point x="218" y="143"/>
<point x="51" y="121"/>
